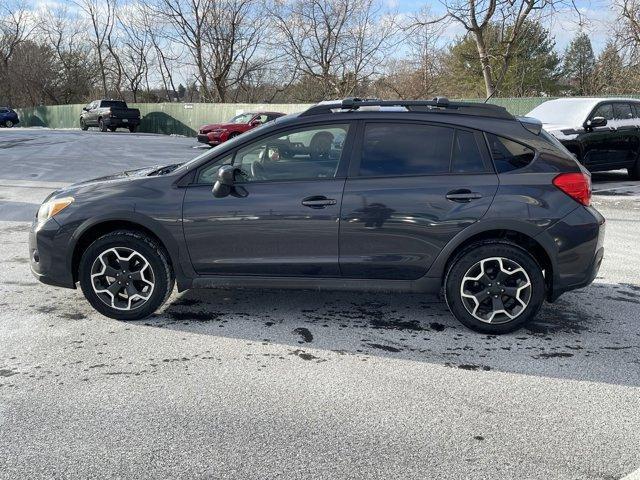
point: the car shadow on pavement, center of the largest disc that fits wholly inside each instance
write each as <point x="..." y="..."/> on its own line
<point x="591" y="334"/>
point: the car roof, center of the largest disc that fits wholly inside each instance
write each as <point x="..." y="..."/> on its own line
<point x="589" y="101"/>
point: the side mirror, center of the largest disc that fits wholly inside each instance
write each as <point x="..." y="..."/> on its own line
<point x="225" y="183"/>
<point x="595" y="122"/>
<point x="85" y="109"/>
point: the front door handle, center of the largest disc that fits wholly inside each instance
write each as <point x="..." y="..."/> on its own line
<point x="463" y="195"/>
<point x="318" y="201"/>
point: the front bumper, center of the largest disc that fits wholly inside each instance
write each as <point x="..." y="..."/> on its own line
<point x="48" y="254"/>
<point x="213" y="139"/>
<point x="578" y="250"/>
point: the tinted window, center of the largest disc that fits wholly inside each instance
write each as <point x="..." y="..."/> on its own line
<point x="622" y="111"/>
<point x="507" y="154"/>
<point x="466" y="154"/>
<point x="635" y="109"/>
<point x="405" y="149"/>
<point x="300" y="154"/>
<point x="605" y="110"/>
<point x="4" y="110"/>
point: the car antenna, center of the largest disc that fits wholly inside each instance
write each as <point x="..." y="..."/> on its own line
<point x="489" y="97"/>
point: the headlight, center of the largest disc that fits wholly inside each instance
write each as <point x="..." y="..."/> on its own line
<point x="53" y="207"/>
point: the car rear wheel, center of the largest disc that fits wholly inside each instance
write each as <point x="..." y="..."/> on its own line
<point x="125" y="275"/>
<point x="102" y="126"/>
<point x="112" y="129"/>
<point x="494" y="287"/>
<point x="132" y="128"/>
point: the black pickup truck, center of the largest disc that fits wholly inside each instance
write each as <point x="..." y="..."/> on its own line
<point x="109" y="115"/>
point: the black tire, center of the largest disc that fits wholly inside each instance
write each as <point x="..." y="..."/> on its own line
<point x="112" y="129"/>
<point x="83" y="126"/>
<point x="468" y="259"/>
<point x="133" y="128"/>
<point x="150" y="250"/>
<point x="634" y="172"/>
<point x="8" y="124"/>
<point x="101" y="125"/>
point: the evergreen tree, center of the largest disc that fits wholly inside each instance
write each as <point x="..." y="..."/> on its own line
<point x="580" y="65"/>
<point x="610" y="71"/>
<point x="533" y="69"/>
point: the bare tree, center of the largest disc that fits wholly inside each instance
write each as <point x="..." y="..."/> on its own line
<point x="65" y="33"/>
<point x="101" y="15"/>
<point x="419" y="74"/>
<point x="14" y="28"/>
<point x="338" y="43"/>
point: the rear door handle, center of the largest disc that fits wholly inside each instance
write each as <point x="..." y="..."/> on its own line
<point x="463" y="196"/>
<point x="318" y="201"/>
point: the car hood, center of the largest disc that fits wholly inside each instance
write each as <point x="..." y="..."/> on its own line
<point x="214" y="126"/>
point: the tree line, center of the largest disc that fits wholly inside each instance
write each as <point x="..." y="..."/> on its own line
<point x="304" y="51"/>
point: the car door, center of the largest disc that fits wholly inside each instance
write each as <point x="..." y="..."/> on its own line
<point x="285" y="219"/>
<point x="92" y="117"/>
<point x="598" y="144"/>
<point x="627" y="144"/>
<point x="411" y="188"/>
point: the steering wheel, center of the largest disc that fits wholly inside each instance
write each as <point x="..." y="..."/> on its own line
<point x="258" y="171"/>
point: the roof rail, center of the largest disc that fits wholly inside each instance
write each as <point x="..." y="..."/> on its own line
<point x="438" y="104"/>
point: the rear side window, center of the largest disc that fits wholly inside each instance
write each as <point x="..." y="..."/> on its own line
<point x="405" y="149"/>
<point x="466" y="156"/>
<point x="509" y="155"/>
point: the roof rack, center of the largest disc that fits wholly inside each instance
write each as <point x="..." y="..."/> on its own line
<point x="438" y="104"/>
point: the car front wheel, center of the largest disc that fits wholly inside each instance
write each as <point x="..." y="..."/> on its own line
<point x="8" y="124"/>
<point x="494" y="287"/>
<point x="125" y="275"/>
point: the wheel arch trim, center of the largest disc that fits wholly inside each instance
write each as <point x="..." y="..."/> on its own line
<point x="129" y="219"/>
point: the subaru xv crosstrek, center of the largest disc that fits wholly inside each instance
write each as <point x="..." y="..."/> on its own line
<point x="405" y="196"/>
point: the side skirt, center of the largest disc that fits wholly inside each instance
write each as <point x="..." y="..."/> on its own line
<point x="422" y="285"/>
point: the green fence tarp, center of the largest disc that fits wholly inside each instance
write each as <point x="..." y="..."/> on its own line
<point x="187" y="118"/>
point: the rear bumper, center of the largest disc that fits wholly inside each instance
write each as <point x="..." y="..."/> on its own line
<point x="578" y="250"/>
<point x="121" y="122"/>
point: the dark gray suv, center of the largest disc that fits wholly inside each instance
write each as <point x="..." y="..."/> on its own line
<point x="407" y="196"/>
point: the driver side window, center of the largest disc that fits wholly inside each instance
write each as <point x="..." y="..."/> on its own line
<point x="605" y="110"/>
<point x="301" y="154"/>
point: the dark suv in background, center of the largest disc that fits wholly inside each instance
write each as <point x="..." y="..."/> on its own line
<point x="8" y="117"/>
<point x="407" y="196"/>
<point x="603" y="133"/>
<point x="109" y="115"/>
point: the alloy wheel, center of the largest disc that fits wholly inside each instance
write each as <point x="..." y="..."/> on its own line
<point x="496" y="290"/>
<point x="122" y="278"/>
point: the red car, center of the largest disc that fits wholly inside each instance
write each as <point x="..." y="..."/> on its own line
<point x="218" y="133"/>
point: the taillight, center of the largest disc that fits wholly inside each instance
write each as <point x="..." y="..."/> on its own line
<point x="576" y="185"/>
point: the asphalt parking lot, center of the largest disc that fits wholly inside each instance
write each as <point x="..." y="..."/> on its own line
<point x="278" y="384"/>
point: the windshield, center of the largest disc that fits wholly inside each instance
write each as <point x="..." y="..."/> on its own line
<point x="242" y="118"/>
<point x="571" y="112"/>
